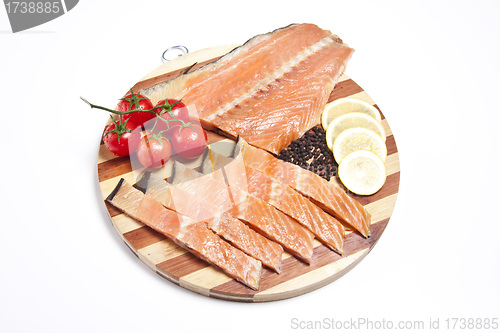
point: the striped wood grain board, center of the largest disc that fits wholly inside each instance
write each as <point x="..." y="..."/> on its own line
<point x="184" y="269"/>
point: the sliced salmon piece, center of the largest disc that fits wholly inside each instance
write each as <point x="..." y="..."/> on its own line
<point x="222" y="223"/>
<point x="248" y="240"/>
<point x="199" y="186"/>
<point x="275" y="83"/>
<point x="325" y="227"/>
<point x="191" y="235"/>
<point x="261" y="216"/>
<point x="274" y="224"/>
<point x="326" y="195"/>
<point x="175" y="198"/>
<point x="285" y="109"/>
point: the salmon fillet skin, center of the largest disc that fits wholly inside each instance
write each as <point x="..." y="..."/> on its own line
<point x="328" y="196"/>
<point x="190" y="235"/>
<point x="269" y="91"/>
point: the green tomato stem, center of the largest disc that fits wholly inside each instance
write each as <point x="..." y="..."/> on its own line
<point x="117" y="112"/>
<point x="120" y="127"/>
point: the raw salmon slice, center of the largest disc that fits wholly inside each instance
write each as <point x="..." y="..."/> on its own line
<point x="261" y="216"/>
<point x="326" y="195"/>
<point x="275" y="225"/>
<point x="175" y="198"/>
<point x="325" y="227"/>
<point x="218" y="195"/>
<point x="252" y="91"/>
<point x="248" y="240"/>
<point x="222" y="223"/>
<point x="193" y="236"/>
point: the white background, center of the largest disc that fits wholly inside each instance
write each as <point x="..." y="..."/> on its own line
<point x="431" y="66"/>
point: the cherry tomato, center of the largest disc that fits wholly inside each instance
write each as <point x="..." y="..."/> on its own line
<point x="189" y="141"/>
<point x="174" y="109"/>
<point x="153" y="152"/>
<point x="121" y="138"/>
<point x="134" y="101"/>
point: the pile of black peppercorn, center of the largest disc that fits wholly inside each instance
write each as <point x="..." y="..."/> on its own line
<point x="311" y="152"/>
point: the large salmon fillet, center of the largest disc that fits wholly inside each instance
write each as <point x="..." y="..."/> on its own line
<point x="270" y="90"/>
<point x="191" y="235"/>
<point x="261" y="216"/>
<point x="222" y="223"/>
<point x="326" y="195"/>
<point x="286" y="108"/>
<point x="324" y="226"/>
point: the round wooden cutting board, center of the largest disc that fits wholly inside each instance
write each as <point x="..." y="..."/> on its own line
<point x="184" y="269"/>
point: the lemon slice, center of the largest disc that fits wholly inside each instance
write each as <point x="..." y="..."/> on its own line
<point x="345" y="105"/>
<point x="362" y="172"/>
<point x="358" y="138"/>
<point x="350" y="120"/>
